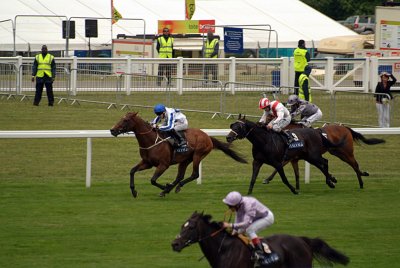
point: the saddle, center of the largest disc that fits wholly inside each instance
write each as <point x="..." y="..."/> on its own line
<point x="295" y="143"/>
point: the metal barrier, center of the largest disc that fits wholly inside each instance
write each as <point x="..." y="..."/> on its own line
<point x="8" y="80"/>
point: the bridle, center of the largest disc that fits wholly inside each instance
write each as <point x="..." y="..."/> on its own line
<point x="237" y="134"/>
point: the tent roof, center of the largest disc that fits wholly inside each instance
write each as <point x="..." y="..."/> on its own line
<point x="291" y="19"/>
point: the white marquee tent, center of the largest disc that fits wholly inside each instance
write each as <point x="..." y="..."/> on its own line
<point x="38" y="22"/>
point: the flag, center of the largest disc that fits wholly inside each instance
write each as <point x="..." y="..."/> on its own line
<point x="115" y="15"/>
<point x="190" y="8"/>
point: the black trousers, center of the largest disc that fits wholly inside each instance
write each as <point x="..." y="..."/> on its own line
<point x="164" y="68"/>
<point x="210" y="69"/>
<point x="44" y="82"/>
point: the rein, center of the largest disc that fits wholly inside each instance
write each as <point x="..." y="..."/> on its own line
<point x="156" y="142"/>
<point x="248" y="132"/>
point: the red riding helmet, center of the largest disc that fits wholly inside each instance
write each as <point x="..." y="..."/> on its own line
<point x="264" y="102"/>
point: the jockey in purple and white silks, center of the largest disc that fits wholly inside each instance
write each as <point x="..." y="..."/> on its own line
<point x="171" y="120"/>
<point x="251" y="217"/>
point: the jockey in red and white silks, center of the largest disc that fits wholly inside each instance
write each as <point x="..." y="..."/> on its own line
<point x="279" y="113"/>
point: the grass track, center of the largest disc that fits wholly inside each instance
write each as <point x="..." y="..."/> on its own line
<point x="49" y="219"/>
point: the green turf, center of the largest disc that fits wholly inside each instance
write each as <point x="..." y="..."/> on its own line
<point x="49" y="219"/>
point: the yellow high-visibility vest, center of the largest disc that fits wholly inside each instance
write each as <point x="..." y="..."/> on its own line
<point x="44" y="65"/>
<point x="165" y="47"/>
<point x="300" y="61"/>
<point x="303" y="78"/>
<point x="210" y="48"/>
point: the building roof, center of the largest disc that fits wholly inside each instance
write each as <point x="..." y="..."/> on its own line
<point x="290" y="21"/>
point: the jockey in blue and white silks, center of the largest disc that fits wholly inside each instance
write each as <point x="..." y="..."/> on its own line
<point x="171" y="120"/>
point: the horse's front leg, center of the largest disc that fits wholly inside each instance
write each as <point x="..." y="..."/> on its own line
<point x="256" y="169"/>
<point x="181" y="174"/>
<point x="295" y="165"/>
<point x="161" y="168"/>
<point x="141" y="166"/>
<point x="284" y="179"/>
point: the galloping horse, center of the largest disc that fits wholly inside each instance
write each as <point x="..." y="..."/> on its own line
<point x="336" y="133"/>
<point x="156" y="151"/>
<point x="270" y="148"/>
<point x="224" y="250"/>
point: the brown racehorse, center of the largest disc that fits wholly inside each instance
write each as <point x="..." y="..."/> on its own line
<point x="156" y="151"/>
<point x="345" y="152"/>
<point x="224" y="250"/>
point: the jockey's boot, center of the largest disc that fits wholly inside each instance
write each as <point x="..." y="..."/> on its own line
<point x="264" y="258"/>
<point x="178" y="135"/>
<point x="288" y="136"/>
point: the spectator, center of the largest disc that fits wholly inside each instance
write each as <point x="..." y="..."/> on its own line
<point x="383" y="97"/>
<point x="304" y="84"/>
<point x="165" y="49"/>
<point x="301" y="59"/>
<point x="44" y="69"/>
<point x="210" y="50"/>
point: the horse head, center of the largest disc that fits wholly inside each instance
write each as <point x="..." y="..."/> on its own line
<point x="126" y="124"/>
<point x="191" y="231"/>
<point x="239" y="129"/>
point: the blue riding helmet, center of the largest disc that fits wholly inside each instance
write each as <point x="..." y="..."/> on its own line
<point x="159" y="108"/>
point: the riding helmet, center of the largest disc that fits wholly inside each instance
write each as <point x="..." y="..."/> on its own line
<point x="159" y="108"/>
<point x="293" y="99"/>
<point x="232" y="199"/>
<point x="264" y="102"/>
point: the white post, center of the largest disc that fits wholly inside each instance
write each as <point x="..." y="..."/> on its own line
<point x="88" y="161"/>
<point x="200" y="173"/>
<point x="128" y="76"/>
<point x="307" y="172"/>
<point x="179" y="76"/>
<point x="74" y="71"/>
<point x="329" y="73"/>
<point x="232" y="74"/>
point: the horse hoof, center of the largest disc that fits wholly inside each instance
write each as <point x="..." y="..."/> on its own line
<point x="134" y="193"/>
<point x="266" y="181"/>
<point x="365" y="174"/>
<point x="333" y="179"/>
<point x="331" y="185"/>
<point x="295" y="192"/>
<point x="177" y="189"/>
<point x="162" y="194"/>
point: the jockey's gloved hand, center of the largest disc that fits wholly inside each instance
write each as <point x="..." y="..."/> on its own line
<point x="260" y="124"/>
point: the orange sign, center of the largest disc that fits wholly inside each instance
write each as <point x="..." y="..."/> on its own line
<point x="185" y="26"/>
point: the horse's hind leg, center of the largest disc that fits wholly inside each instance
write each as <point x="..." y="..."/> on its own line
<point x="256" y="169"/>
<point x="195" y="173"/>
<point x="322" y="164"/>
<point x="351" y="161"/>
<point x="141" y="166"/>
<point x="181" y="174"/>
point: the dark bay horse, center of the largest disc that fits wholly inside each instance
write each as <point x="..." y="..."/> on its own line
<point x="156" y="151"/>
<point x="270" y="148"/>
<point x="224" y="250"/>
<point x="335" y="133"/>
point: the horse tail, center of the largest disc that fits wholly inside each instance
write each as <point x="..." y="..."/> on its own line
<point x="325" y="253"/>
<point x="358" y="136"/>
<point x="225" y="148"/>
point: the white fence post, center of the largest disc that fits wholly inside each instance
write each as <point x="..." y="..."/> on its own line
<point x="179" y="76"/>
<point x="232" y="74"/>
<point x="88" y="162"/>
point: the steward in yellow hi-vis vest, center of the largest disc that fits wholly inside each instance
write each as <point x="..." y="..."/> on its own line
<point x="165" y="49"/>
<point x="304" y="84"/>
<point x="44" y="69"/>
<point x="301" y="58"/>
<point x="210" y="51"/>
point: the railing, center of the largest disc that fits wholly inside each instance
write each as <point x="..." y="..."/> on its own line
<point x="89" y="134"/>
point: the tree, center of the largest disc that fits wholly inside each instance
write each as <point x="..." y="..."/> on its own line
<point x="341" y="9"/>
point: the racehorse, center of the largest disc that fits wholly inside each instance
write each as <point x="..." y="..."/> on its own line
<point x="269" y="147"/>
<point x="156" y="151"/>
<point x="224" y="250"/>
<point x="336" y="133"/>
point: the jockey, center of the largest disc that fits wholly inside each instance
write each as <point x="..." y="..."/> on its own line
<point x="308" y="111"/>
<point x="172" y="121"/>
<point x="251" y="216"/>
<point x="280" y="116"/>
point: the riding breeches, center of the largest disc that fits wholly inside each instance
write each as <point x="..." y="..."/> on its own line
<point x="312" y="118"/>
<point x="259" y="225"/>
<point x="281" y="124"/>
<point x="181" y="124"/>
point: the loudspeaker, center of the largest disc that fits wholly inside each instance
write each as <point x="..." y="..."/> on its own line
<point x="71" y="29"/>
<point x="90" y="28"/>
